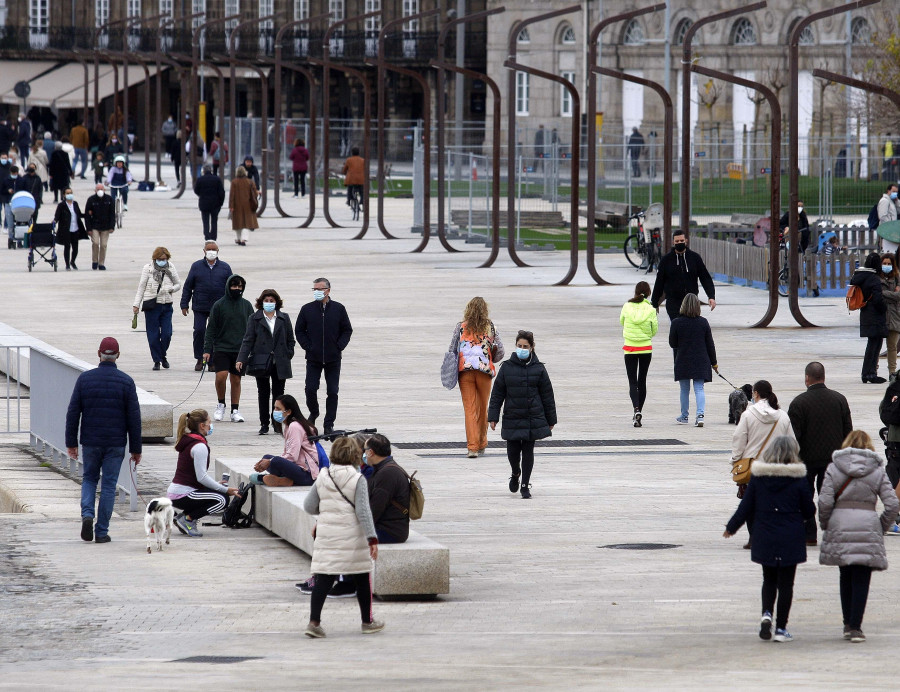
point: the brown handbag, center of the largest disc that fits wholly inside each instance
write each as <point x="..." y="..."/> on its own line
<point x="740" y="469"/>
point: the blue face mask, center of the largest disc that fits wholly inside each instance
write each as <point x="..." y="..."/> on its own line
<point x="269" y="307"/>
<point x="523" y="353"/>
<point x="161" y="263"/>
<point x="887" y="268"/>
<point x="278" y="416"/>
<point x="319" y="295"/>
<point x="893" y="195"/>
<point x="210" y="431"/>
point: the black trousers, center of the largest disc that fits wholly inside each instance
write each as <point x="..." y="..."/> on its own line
<point x="892" y="452"/>
<point x="70" y="246"/>
<point x="855" y="581"/>
<point x="870" y="360"/>
<point x="332" y="381"/>
<point x="636" y="367"/>
<point x="268" y="387"/>
<point x="521" y="458"/>
<point x="778" y="581"/>
<point x="200" y="319"/>
<point x="814" y="478"/>
<point x="673" y="306"/>
<point x="300" y="182"/>
<point x="210" y="224"/>
<point x="208" y="501"/>
<point x="323" y="584"/>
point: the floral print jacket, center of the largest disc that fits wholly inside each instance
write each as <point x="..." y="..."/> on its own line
<point x="479" y="351"/>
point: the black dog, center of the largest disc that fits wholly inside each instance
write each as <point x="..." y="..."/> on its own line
<point x="738" y="401"/>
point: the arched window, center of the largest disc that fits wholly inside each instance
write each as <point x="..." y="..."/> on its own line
<point x="523" y="37"/>
<point x="860" y="31"/>
<point x="807" y="38"/>
<point x="743" y="33"/>
<point x="633" y="34"/>
<point x="681" y="29"/>
<point x="567" y="36"/>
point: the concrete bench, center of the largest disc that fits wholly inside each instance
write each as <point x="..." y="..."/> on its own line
<point x="419" y="567"/>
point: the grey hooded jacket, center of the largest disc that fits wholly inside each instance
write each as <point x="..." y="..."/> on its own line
<point x="854" y="533"/>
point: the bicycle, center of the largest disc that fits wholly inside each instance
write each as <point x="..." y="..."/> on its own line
<point x="643" y="249"/>
<point x="355" y="200"/>
<point x="118" y="199"/>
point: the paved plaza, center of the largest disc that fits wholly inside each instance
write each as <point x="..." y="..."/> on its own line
<point x="538" y="599"/>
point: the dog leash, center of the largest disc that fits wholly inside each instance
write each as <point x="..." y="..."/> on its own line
<point x="723" y="377"/>
<point x="202" y="372"/>
<point x="131" y="467"/>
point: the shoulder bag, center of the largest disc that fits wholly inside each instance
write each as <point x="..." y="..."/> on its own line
<point x="740" y="469"/>
<point x="150" y="303"/>
<point x="450" y="366"/>
<point x="338" y="488"/>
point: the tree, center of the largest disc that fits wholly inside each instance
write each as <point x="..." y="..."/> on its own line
<point x="884" y="69"/>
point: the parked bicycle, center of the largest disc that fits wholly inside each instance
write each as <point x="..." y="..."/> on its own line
<point x="644" y="248"/>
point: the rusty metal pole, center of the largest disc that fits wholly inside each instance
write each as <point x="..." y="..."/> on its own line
<point x="512" y="171"/>
<point x="97" y="52"/>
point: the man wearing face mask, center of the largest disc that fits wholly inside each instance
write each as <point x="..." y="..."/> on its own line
<point x="100" y="219"/>
<point x="205" y="284"/>
<point x="224" y="336"/>
<point x="802" y="226"/>
<point x="888" y="210"/>
<point x="678" y="274"/>
<point x="7" y="189"/>
<point x="323" y="330"/>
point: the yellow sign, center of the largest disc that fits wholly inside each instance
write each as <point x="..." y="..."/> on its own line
<point x="598" y="118"/>
<point x="201" y="117"/>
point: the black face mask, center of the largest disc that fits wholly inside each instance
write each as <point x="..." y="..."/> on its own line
<point x="236" y="292"/>
<point x="680" y="247"/>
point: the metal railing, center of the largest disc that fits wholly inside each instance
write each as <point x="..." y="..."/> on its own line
<point x="12" y="362"/>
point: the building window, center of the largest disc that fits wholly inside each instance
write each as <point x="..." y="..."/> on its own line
<point x="165" y="9"/>
<point x="522" y="93"/>
<point x="301" y="9"/>
<point x="681" y="29"/>
<point x="523" y="37"/>
<point x="633" y="34"/>
<point x="198" y="6"/>
<point x="743" y="33"/>
<point x="411" y="7"/>
<point x="565" y="98"/>
<point x="101" y="11"/>
<point x="336" y="10"/>
<point x="373" y="24"/>
<point x="860" y="31"/>
<point x="232" y="7"/>
<point x="567" y="37"/>
<point x="39" y="22"/>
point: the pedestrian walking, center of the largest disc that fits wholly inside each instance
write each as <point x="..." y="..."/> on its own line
<point x="252" y="170"/>
<point x="888" y="209"/>
<point x="853" y="536"/>
<point x="31" y="184"/>
<point x="222" y="343"/>
<point x="345" y="539"/>
<point x="479" y="347"/>
<point x="23" y="137"/>
<point x="639" y="325"/>
<point x="80" y="139"/>
<point x="218" y="153"/>
<point x="820" y="418"/>
<point x="777" y="502"/>
<point x="323" y="331"/>
<point x="41" y="164"/>
<point x="890" y="293"/>
<point x="678" y="274"/>
<point x="266" y="353"/>
<point x="205" y="284"/>
<point x="523" y="390"/>
<point x="100" y="219"/>
<point x="211" y="192"/>
<point x="169" y="129"/>
<point x="635" y="148"/>
<point x="69" y="222"/>
<point x="159" y="280"/>
<point x="872" y="316"/>
<point x="299" y="157"/>
<point x="695" y="357"/>
<point x="7" y="189"/>
<point x="299" y="462"/>
<point x="104" y="407"/>
<point x="242" y="205"/>
<point x="60" y="171"/>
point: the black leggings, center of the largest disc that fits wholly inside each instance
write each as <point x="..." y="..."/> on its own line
<point x="70" y="248"/>
<point x="322" y="585"/>
<point x="201" y="502"/>
<point x="870" y="359"/>
<point x="521" y="451"/>
<point x="299" y="182"/>
<point x="266" y="387"/>
<point x="778" y="580"/>
<point x="636" y="367"/>
<point x="854" y="593"/>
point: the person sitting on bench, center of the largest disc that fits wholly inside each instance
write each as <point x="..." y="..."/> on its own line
<point x="299" y="463"/>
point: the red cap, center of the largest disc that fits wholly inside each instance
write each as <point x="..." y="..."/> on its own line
<point x="109" y="346"/>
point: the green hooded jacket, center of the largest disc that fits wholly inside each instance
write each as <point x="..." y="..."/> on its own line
<point x="227" y="321"/>
<point x="639" y="325"/>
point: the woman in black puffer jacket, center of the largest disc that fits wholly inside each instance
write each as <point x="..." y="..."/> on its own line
<point x="872" y="316"/>
<point x="523" y="389"/>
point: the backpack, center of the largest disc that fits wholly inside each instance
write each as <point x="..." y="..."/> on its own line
<point x="416" y="498"/>
<point x="873" y="218"/>
<point x="889" y="410"/>
<point x="855" y="298"/>
<point x="233" y="517"/>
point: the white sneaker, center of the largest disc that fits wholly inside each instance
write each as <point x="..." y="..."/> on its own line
<point x="220" y="412"/>
<point x="236" y="417"/>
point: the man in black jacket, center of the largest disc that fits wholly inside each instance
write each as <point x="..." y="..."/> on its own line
<point x="31" y="183"/>
<point x="100" y="218"/>
<point x="802" y="226"/>
<point x="323" y="330"/>
<point x="821" y="420"/>
<point x="678" y="274"/>
<point x="209" y="188"/>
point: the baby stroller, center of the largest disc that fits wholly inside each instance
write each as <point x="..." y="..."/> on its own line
<point x="42" y="240"/>
<point x="23" y="206"/>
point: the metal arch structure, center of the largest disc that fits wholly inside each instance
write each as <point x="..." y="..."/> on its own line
<point x="793" y="124"/>
<point x="514" y="66"/>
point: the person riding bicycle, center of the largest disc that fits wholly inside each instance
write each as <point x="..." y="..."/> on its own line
<point x="118" y="179"/>
<point x="802" y="226"/>
<point x="354" y="172"/>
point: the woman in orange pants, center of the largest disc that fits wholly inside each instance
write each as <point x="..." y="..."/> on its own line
<point x="479" y="347"/>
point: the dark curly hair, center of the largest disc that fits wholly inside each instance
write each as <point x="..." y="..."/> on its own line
<point x="269" y="292"/>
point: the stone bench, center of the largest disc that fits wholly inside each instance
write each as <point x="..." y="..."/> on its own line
<point x="419" y="567"/>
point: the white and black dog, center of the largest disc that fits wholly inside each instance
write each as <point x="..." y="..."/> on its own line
<point x="159" y="519"/>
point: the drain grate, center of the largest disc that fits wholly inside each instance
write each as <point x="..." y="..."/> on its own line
<point x="551" y="443"/>
<point x="216" y="659"/>
<point x="640" y="546"/>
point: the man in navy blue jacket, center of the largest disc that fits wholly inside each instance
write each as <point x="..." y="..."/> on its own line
<point x="323" y="330"/>
<point x="105" y="404"/>
<point x="206" y="283"/>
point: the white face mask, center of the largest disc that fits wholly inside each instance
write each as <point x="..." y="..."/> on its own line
<point x="100" y="193"/>
<point x="211" y="254"/>
<point x="799" y="210"/>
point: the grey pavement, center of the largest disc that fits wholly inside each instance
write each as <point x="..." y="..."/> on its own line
<point x="537" y="599"/>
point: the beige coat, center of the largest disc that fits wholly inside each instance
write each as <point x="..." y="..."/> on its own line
<point x="41" y="163"/>
<point x="751" y="432"/>
<point x="240" y="203"/>
<point x="340" y="546"/>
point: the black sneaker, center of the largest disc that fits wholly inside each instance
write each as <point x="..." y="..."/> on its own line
<point x="102" y="539"/>
<point x="156" y="365"/>
<point x="165" y="363"/>
<point x="514" y="483"/>
<point x="306" y="587"/>
<point x="87" y="529"/>
<point x="526" y="493"/>
<point x="342" y="589"/>
<point x="264" y="430"/>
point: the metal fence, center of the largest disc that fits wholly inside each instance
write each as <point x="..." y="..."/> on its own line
<point x="12" y="362"/>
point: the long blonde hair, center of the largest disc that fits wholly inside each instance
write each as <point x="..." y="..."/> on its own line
<point x="191" y="422"/>
<point x="476" y="316"/>
<point x="858" y="439"/>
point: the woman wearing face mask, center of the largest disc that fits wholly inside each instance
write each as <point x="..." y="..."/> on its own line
<point x="193" y="490"/>
<point x="69" y="223"/>
<point x="266" y="350"/>
<point x="872" y="316"/>
<point x="522" y="388"/>
<point x="159" y="280"/>
<point x="299" y="462"/>
<point x="890" y="292"/>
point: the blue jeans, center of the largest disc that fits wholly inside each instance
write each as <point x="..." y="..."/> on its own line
<point x="80" y="154"/>
<point x="116" y="191"/>
<point x="159" y="330"/>
<point x="107" y="460"/>
<point x="699" y="395"/>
